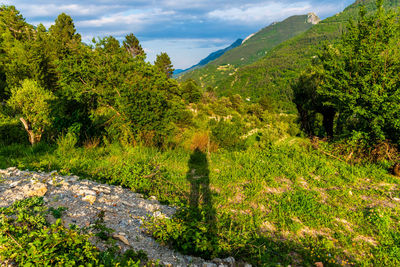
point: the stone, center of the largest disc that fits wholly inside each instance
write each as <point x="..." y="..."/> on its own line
<point x="217" y="261"/>
<point x="85" y="192"/>
<point x="123" y="210"/>
<point x="209" y="264"/>
<point x="89" y="198"/>
<point x="14" y="184"/>
<point x="121" y="238"/>
<point x="39" y="191"/>
<point x="230" y="261"/>
<point x="313" y="18"/>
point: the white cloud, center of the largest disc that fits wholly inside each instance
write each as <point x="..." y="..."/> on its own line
<point x="268" y="12"/>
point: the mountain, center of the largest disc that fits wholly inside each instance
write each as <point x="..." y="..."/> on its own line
<point x="211" y="57"/>
<point x="258" y="44"/>
<point x="253" y="48"/>
<point x="271" y="76"/>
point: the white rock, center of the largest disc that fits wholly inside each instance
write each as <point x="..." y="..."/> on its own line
<point x="38" y="191"/>
<point x="121" y="238"/>
<point x="14" y="184"/>
<point x="230" y="261"/>
<point x="89" y="198"/>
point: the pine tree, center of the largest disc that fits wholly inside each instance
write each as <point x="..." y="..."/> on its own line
<point x="163" y="64"/>
<point x="132" y="45"/>
<point x="64" y="35"/>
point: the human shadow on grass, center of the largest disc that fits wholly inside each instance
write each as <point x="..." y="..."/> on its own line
<point x="200" y="198"/>
<point x="199" y="235"/>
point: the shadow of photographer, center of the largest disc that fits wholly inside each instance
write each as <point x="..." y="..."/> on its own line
<point x="200" y="198"/>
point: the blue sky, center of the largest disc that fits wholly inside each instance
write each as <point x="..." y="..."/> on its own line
<point x="188" y="30"/>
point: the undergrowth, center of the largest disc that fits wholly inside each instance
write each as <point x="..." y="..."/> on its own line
<point x="27" y="239"/>
<point x="281" y="203"/>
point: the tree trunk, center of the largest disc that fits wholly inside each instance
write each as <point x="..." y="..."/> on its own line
<point x="328" y="119"/>
<point x="305" y="120"/>
<point x="33" y="138"/>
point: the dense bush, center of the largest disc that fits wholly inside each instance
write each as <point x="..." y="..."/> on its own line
<point x="11" y="131"/>
<point x="227" y="133"/>
<point x="27" y="238"/>
<point x="355" y="84"/>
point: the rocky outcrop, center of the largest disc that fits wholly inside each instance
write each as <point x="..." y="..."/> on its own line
<point x="313" y="18"/>
<point x="124" y="211"/>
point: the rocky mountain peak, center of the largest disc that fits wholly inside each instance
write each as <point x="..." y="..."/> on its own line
<point x="313" y="18"/>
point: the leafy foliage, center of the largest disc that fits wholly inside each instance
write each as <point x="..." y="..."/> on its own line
<point x="27" y="238"/>
<point x="132" y="45"/>
<point x="357" y="80"/>
<point x="32" y="103"/>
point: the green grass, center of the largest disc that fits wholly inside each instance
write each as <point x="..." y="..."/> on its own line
<point x="286" y="203"/>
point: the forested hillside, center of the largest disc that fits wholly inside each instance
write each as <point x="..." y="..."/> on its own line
<point x="272" y="76"/>
<point x="254" y="48"/>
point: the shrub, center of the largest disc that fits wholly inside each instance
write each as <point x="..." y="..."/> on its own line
<point x="227" y="133"/>
<point x="11" y="131"/>
<point x="201" y="141"/>
<point x="27" y="239"/>
<point x="66" y="143"/>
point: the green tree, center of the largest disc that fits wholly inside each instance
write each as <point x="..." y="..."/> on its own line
<point x="64" y="35"/>
<point x="190" y="91"/>
<point x="132" y="45"/>
<point x="126" y="96"/>
<point x="358" y="78"/>
<point x="13" y="22"/>
<point x="32" y="103"/>
<point x="163" y="64"/>
<point x="309" y="103"/>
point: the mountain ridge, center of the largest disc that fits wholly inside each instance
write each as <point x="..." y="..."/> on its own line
<point x="271" y="76"/>
<point x="210" y="57"/>
<point x="253" y="48"/>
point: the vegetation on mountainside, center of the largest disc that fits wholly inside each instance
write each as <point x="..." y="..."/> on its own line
<point x="210" y="57"/>
<point x="247" y="183"/>
<point x="354" y="84"/>
<point x="273" y="75"/>
<point x="250" y="51"/>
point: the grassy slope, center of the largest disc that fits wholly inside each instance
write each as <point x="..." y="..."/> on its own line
<point x="289" y="203"/>
<point x="252" y="50"/>
<point x="273" y="74"/>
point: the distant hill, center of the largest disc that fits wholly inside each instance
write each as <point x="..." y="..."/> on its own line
<point x="272" y="75"/>
<point x="211" y="57"/>
<point x="253" y="48"/>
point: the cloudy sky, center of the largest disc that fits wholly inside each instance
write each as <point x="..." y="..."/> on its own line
<point x="188" y="30"/>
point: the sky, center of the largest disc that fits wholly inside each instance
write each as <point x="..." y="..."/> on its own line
<point x="188" y="30"/>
